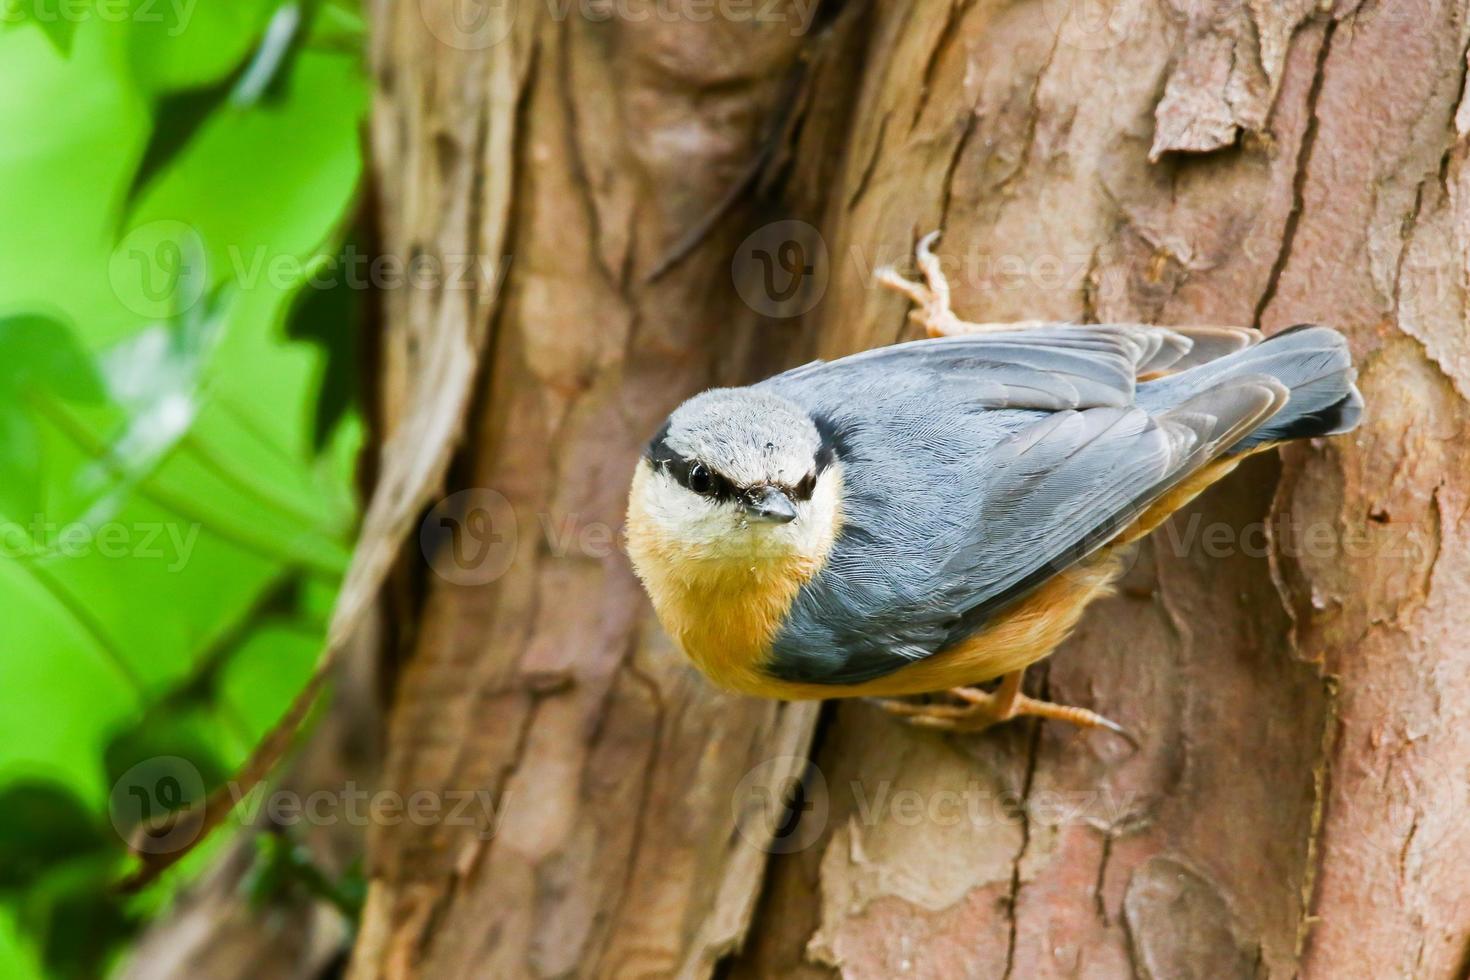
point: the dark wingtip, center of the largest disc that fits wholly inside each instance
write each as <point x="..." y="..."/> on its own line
<point x="1341" y="416"/>
<point x="1345" y="415"/>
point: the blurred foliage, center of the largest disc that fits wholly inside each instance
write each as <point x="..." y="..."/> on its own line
<point x="176" y="427"/>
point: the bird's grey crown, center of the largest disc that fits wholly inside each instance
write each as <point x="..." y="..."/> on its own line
<point x="747" y="436"/>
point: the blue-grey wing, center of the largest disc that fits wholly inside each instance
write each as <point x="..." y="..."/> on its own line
<point x="1041" y="366"/>
<point x="976" y="467"/>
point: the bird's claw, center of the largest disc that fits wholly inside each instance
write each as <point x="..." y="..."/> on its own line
<point x="980" y="710"/>
<point x="977" y="713"/>
<point x="1120" y="731"/>
<point x="931" y="297"/>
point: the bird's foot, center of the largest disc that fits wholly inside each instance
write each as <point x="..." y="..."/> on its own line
<point x="979" y="710"/>
<point x="931" y="297"/>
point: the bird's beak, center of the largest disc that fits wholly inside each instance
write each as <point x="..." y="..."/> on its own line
<point x="768" y="504"/>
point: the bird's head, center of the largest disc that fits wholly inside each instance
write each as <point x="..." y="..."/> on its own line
<point x="737" y="474"/>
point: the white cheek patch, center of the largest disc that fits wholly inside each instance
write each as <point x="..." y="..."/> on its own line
<point x="696" y="522"/>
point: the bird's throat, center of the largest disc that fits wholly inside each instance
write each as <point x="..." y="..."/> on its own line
<point x="727" y="615"/>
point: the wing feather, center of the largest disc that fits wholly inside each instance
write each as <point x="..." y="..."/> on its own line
<point x="977" y="467"/>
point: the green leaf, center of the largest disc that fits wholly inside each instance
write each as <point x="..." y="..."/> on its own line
<point x="181" y="115"/>
<point x="339" y="26"/>
<point x="190" y="735"/>
<point x="176" y="119"/>
<point x="57" y="21"/>
<point x="37" y="354"/>
<point x="41" y="352"/>
<point x="323" y="317"/>
<point x="20" y="463"/>
<point x="84" y="926"/>
<point x="171" y="45"/>
<point x="19" y="959"/>
<point x="78" y="923"/>
<point x="43" y="823"/>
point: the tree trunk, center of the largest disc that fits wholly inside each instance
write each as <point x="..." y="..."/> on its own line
<point x="1291" y="650"/>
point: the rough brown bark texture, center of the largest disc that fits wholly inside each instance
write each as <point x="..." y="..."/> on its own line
<point x="1291" y="651"/>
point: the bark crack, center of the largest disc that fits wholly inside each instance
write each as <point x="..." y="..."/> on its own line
<point x="1033" y="752"/>
<point x="1411" y="222"/>
<point x="760" y="909"/>
<point x="871" y="166"/>
<point x="580" y="175"/>
<point x="1406" y="235"/>
<point x="1299" y="177"/>
<point x="427" y="924"/>
<point x="475" y="219"/>
<point x="942" y="43"/>
<point x="1033" y="118"/>
<point x="947" y="193"/>
<point x="1089" y="289"/>
<point x="787" y="118"/>
<point x="1098" y="898"/>
<point x="1321" y="786"/>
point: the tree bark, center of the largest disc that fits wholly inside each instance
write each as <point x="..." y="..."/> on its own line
<point x="1291" y="650"/>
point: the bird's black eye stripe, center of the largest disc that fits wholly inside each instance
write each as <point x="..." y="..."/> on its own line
<point x="690" y="473"/>
<point x="694" y="475"/>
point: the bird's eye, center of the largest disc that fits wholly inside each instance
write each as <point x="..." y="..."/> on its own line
<point x="701" y="481"/>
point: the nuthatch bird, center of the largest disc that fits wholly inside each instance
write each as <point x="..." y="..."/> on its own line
<point x="937" y="514"/>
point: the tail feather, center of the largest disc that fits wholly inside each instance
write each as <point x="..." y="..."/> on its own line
<point x="1312" y="362"/>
